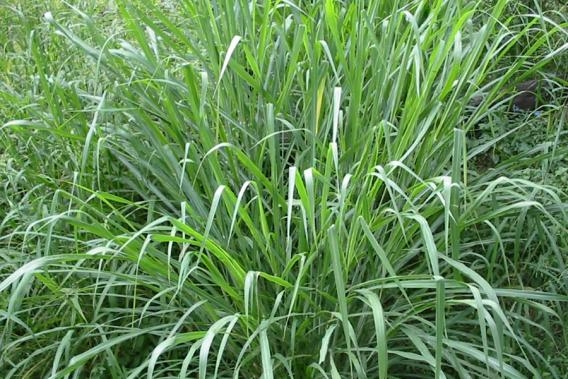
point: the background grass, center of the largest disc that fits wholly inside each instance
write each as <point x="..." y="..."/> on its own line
<point x="282" y="189"/>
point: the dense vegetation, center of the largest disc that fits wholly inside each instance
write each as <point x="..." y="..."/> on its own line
<point x="286" y="188"/>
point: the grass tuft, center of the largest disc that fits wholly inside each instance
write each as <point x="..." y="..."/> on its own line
<point x="282" y="189"/>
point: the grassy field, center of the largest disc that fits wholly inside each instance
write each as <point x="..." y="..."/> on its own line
<point x="282" y="189"/>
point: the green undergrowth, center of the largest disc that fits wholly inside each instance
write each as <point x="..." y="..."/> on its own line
<point x="281" y="189"/>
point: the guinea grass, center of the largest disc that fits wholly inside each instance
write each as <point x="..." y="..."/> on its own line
<point x="280" y="189"/>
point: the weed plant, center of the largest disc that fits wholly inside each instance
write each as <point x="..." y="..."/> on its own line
<point x="281" y="189"/>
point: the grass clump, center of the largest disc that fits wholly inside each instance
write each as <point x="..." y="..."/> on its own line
<point x="281" y="189"/>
